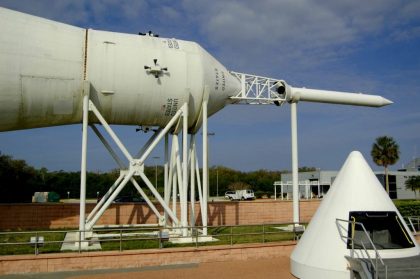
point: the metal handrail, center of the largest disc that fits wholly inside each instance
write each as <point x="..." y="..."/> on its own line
<point x="121" y="234"/>
<point x="377" y="255"/>
<point x="414" y="222"/>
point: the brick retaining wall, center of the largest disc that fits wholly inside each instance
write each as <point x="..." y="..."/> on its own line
<point x="141" y="258"/>
<point x="65" y="215"/>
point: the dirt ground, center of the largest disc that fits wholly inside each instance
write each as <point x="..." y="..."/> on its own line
<point x="267" y="269"/>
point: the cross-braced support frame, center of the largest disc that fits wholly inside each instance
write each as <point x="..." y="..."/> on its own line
<point x="181" y="171"/>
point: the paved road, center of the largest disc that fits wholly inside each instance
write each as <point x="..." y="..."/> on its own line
<point x="250" y="269"/>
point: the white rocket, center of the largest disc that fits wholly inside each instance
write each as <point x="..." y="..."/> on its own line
<point x="57" y="74"/>
<point x="135" y="79"/>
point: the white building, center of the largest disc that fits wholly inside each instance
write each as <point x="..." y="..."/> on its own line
<point x="315" y="184"/>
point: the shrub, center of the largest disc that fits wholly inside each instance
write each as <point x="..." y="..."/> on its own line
<point x="408" y="207"/>
<point x="259" y="194"/>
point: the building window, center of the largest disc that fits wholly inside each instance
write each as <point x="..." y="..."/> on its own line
<point x="392" y="180"/>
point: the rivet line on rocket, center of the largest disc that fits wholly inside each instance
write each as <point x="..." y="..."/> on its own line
<point x="85" y="58"/>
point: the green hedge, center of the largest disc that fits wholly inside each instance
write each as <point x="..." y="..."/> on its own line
<point x="408" y="207"/>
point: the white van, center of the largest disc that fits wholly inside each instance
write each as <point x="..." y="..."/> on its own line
<point x="240" y="195"/>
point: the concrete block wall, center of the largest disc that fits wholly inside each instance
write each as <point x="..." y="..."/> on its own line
<point x="57" y="216"/>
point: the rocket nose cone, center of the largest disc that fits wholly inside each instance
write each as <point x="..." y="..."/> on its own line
<point x="386" y="102"/>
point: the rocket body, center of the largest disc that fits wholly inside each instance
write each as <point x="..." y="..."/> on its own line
<point x="134" y="80"/>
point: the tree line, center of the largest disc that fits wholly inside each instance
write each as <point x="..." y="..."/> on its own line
<point x="19" y="181"/>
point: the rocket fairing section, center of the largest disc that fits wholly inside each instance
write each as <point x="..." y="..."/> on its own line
<point x="134" y="80"/>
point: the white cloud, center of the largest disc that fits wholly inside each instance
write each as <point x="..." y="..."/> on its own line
<point x="67" y="11"/>
<point x="406" y="34"/>
<point x="299" y="33"/>
<point x="128" y="10"/>
<point x="410" y="10"/>
<point x="170" y="13"/>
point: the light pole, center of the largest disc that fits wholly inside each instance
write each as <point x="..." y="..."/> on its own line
<point x="156" y="158"/>
<point x="68" y="195"/>
<point x="217" y="181"/>
<point x="209" y="134"/>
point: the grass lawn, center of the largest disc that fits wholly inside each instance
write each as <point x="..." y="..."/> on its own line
<point x="142" y="239"/>
<point x="22" y="246"/>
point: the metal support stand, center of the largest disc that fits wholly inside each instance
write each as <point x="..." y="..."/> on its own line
<point x="295" y="183"/>
<point x="177" y="165"/>
<point x="166" y="189"/>
<point x="86" y="90"/>
<point x="126" y="175"/>
<point x="192" y="181"/>
<point x="184" y="205"/>
<point x="205" y="169"/>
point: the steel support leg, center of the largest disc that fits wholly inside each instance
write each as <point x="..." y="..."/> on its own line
<point x="205" y="168"/>
<point x="82" y="208"/>
<point x="166" y="189"/>
<point x="192" y="181"/>
<point x="199" y="185"/>
<point x="184" y="205"/>
<point x="295" y="177"/>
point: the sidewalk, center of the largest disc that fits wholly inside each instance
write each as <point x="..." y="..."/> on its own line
<point x="250" y="269"/>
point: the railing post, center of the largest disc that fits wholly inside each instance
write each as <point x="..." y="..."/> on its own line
<point x="80" y="241"/>
<point x="120" y="240"/>
<point x="231" y="236"/>
<point x="160" y="238"/>
<point x="263" y="233"/>
<point x="36" y="243"/>
<point x="196" y="238"/>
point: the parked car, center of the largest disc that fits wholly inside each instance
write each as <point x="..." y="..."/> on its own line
<point x="230" y="194"/>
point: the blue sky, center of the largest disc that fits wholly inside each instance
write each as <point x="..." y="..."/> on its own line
<point x="350" y="45"/>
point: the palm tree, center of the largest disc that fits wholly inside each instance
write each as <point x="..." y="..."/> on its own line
<point x="413" y="184"/>
<point x="385" y="151"/>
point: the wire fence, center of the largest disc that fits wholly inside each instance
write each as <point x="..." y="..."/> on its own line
<point x="138" y="237"/>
